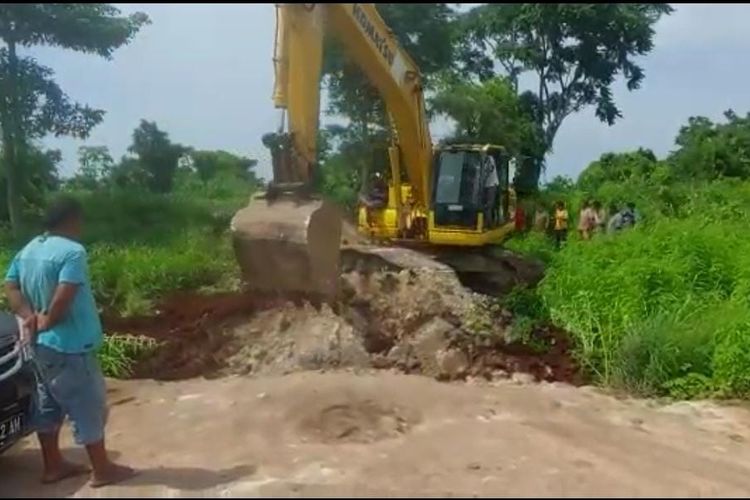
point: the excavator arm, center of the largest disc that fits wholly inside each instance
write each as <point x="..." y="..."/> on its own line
<point x="287" y="240"/>
<point x="368" y="42"/>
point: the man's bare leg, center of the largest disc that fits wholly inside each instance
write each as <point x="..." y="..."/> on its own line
<point x="56" y="468"/>
<point x="105" y="471"/>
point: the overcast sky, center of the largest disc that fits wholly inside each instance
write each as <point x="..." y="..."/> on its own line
<point x="203" y="72"/>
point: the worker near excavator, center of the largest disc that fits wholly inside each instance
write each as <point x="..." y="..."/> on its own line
<point x="48" y="288"/>
<point x="490" y="183"/>
<point x="625" y="218"/>
<point x="561" y="223"/>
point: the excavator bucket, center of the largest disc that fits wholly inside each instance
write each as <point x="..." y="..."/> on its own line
<point x="289" y="246"/>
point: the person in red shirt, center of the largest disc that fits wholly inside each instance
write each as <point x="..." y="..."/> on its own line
<point x="519" y="217"/>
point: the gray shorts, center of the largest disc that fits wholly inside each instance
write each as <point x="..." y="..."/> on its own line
<point x="70" y="385"/>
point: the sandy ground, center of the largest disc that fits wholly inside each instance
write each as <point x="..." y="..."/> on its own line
<point x="340" y="434"/>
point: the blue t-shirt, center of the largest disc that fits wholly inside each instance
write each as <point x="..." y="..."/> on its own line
<point x="45" y="262"/>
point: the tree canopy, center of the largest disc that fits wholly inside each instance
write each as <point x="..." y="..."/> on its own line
<point x="572" y="52"/>
<point x="157" y="156"/>
<point x="488" y="112"/>
<point x="32" y="105"/>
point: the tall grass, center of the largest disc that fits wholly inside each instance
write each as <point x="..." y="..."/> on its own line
<point x="128" y="278"/>
<point x="660" y="309"/>
<point x="143" y="246"/>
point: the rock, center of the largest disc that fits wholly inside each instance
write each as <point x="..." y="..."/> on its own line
<point x="521" y="378"/>
<point x="474" y="466"/>
<point x="399" y="353"/>
<point x="431" y="334"/>
<point x="262" y="395"/>
<point x="429" y="340"/>
<point x="451" y="363"/>
<point x="500" y="375"/>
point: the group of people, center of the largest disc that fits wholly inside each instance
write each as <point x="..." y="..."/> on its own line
<point x="593" y="219"/>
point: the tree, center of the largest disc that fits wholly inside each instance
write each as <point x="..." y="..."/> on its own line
<point x="95" y="166"/>
<point x="210" y="164"/>
<point x="129" y="173"/>
<point x="488" y="111"/>
<point x="40" y="176"/>
<point x="574" y="52"/>
<point x="619" y="168"/>
<point x="560" y="184"/>
<point x="32" y="105"/>
<point x="425" y="32"/>
<point x="708" y="150"/>
<point x="347" y="163"/>
<point x="157" y="156"/>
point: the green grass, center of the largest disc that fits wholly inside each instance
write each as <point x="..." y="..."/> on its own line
<point x="119" y="353"/>
<point x="128" y="278"/>
<point x="143" y="247"/>
<point x="662" y="309"/>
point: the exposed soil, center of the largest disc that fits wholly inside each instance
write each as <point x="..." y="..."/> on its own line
<point x="355" y="421"/>
<point x="393" y="313"/>
<point x="390" y="435"/>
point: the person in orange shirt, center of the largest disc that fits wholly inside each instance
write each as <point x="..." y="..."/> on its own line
<point x="561" y="223"/>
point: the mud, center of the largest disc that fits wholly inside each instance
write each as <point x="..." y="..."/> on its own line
<point x="395" y="311"/>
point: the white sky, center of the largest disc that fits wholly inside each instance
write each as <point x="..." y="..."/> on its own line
<point x="203" y="72"/>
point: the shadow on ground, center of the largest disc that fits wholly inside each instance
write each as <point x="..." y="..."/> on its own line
<point x="21" y="470"/>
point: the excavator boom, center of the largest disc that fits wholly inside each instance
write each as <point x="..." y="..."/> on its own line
<point x="286" y="240"/>
<point x="368" y="42"/>
<point x="289" y="241"/>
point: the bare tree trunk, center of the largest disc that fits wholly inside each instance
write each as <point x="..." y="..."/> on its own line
<point x="12" y="142"/>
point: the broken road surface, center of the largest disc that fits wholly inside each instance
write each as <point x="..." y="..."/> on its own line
<point x="345" y="434"/>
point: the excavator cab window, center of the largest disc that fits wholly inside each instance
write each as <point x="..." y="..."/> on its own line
<point x="457" y="190"/>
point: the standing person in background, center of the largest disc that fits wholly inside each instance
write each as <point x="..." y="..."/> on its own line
<point x="586" y="221"/>
<point x="541" y="218"/>
<point x="519" y="217"/>
<point x="48" y="287"/>
<point x="625" y="218"/>
<point x="490" y="182"/>
<point x="561" y="223"/>
<point x="600" y="217"/>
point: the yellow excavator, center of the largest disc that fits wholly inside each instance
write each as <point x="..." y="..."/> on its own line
<point x="449" y="201"/>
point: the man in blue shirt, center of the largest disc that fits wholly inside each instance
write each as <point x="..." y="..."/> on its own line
<point x="48" y="287"/>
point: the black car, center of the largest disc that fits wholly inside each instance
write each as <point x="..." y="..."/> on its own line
<point x="16" y="384"/>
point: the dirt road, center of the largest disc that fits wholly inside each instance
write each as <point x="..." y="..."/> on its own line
<point x="339" y="434"/>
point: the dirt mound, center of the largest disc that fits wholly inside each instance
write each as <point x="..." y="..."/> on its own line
<point x="191" y="331"/>
<point x="399" y="310"/>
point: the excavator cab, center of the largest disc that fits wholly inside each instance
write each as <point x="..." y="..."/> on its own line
<point x="466" y="187"/>
<point x="470" y="200"/>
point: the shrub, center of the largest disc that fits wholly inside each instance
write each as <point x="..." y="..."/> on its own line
<point x="129" y="278"/>
<point x="119" y="353"/>
<point x="144" y="246"/>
